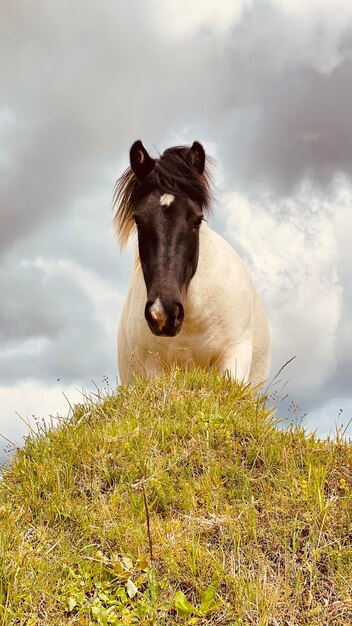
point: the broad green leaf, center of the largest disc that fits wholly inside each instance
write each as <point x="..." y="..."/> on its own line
<point x="72" y="602"/>
<point x="216" y="604"/>
<point x="207" y="602"/>
<point x="183" y="606"/>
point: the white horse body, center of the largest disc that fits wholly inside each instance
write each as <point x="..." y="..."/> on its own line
<point x="225" y="324"/>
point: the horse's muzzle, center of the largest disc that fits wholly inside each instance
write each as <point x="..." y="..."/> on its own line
<point x="164" y="317"/>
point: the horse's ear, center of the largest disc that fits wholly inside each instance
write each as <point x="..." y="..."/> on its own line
<point x="196" y="155"/>
<point x="141" y="163"/>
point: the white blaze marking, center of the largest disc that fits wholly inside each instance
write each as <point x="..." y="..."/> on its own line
<point x="166" y="199"/>
<point x="158" y="314"/>
<point x="157" y="307"/>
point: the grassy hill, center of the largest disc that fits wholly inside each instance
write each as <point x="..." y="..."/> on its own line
<point x="177" y="502"/>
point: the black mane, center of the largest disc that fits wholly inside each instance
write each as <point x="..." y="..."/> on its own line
<point x="172" y="173"/>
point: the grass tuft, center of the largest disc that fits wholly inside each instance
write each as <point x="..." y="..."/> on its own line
<point x="177" y="502"/>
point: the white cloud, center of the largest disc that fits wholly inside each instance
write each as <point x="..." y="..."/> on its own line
<point x="311" y="8"/>
<point x="319" y="22"/>
<point x="180" y="18"/>
<point x="32" y="401"/>
<point x="294" y="249"/>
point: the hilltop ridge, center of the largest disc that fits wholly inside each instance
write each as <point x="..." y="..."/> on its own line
<point x="177" y="502"/>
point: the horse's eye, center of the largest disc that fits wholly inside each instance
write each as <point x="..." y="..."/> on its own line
<point x="197" y="222"/>
<point x="137" y="220"/>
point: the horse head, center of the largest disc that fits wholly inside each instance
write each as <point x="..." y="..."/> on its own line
<point x="165" y="199"/>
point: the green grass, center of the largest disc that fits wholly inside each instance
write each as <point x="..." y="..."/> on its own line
<point x="249" y="524"/>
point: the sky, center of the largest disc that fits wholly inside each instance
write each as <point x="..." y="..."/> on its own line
<point x="266" y="86"/>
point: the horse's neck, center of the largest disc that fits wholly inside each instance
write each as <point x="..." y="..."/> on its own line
<point x="206" y="277"/>
<point x="212" y="249"/>
<point x="219" y="268"/>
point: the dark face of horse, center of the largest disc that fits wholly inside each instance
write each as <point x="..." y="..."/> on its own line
<point x="168" y="242"/>
<point x="168" y="237"/>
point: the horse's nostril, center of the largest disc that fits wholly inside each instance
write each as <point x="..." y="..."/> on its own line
<point x="179" y="313"/>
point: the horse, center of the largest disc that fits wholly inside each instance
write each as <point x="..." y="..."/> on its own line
<point x="191" y="300"/>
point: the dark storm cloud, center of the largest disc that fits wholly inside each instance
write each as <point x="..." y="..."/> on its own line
<point x="30" y="307"/>
<point x="70" y="82"/>
<point x="305" y="129"/>
<point x="284" y="95"/>
<point x="50" y="328"/>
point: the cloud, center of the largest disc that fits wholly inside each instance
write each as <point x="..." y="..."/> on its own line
<point x="33" y="404"/>
<point x="68" y="91"/>
<point x="58" y="321"/>
<point x="334" y="416"/>
<point x="180" y="18"/>
<point x="281" y="96"/>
